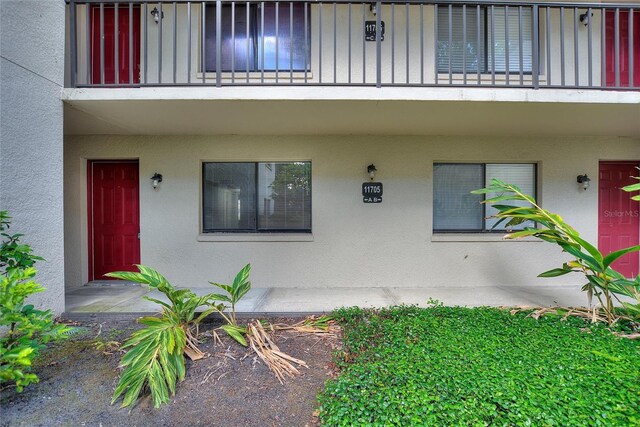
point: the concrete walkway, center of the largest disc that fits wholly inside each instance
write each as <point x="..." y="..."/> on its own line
<point x="127" y="298"/>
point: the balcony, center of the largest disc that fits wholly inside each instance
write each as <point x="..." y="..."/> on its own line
<point x="340" y="43"/>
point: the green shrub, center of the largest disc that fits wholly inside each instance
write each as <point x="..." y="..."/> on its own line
<point x="444" y="366"/>
<point x="24" y="330"/>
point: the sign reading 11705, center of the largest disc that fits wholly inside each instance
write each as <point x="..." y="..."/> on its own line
<point x="372" y="192"/>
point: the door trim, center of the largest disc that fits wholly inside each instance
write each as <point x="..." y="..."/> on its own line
<point x="90" y="163"/>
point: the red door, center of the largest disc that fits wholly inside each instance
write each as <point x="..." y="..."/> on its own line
<point x="114" y="217"/>
<point x="619" y="216"/>
<point x="623" y="46"/>
<point x="110" y="42"/>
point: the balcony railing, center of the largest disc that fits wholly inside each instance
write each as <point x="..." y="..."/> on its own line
<point x="381" y="43"/>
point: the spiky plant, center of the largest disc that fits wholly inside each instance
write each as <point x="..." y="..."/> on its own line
<point x="603" y="282"/>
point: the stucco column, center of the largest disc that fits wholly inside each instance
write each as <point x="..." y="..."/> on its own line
<point x="32" y="37"/>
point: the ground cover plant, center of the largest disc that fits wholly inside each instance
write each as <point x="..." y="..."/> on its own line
<point x="484" y="366"/>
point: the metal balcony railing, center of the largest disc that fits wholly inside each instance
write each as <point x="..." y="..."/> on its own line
<point x="381" y="43"/>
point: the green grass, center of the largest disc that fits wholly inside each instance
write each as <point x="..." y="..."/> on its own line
<point x="445" y="366"/>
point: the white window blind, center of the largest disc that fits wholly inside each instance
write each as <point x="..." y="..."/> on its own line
<point x="500" y="48"/>
<point x="520" y="175"/>
<point x="475" y="43"/>
<point x="481" y="50"/>
<point x="455" y="209"/>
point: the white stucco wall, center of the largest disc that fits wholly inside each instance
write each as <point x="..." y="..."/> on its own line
<point x="353" y="244"/>
<point x="31" y="155"/>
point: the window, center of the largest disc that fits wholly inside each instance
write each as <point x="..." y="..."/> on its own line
<point x="257" y="197"/>
<point x="248" y="45"/>
<point x="455" y="209"/>
<point x="482" y="53"/>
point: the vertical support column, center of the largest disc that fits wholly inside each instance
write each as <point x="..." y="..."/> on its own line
<point x="73" y="51"/>
<point x="219" y="43"/>
<point x="535" y="72"/>
<point x="378" y="44"/>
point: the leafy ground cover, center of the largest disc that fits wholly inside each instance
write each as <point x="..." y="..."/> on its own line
<point x="459" y="366"/>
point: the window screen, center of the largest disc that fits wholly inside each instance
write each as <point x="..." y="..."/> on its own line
<point x="482" y="51"/>
<point x="455" y="209"/>
<point x="257" y="197"/>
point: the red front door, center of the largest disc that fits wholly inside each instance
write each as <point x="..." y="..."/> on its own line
<point x="619" y="216"/>
<point x="623" y="48"/>
<point x="114" y="217"/>
<point x="124" y="59"/>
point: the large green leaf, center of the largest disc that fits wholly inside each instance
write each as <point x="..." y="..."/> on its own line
<point x="555" y="272"/>
<point x="237" y="333"/>
<point x="613" y="256"/>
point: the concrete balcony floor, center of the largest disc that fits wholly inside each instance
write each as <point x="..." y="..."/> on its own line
<point x="109" y="298"/>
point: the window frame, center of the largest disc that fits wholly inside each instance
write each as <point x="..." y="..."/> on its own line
<point x="256" y="59"/>
<point x="486" y="57"/>
<point x="256" y="230"/>
<point x="483" y="230"/>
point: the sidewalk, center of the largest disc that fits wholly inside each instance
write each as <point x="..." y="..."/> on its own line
<point x="127" y="298"/>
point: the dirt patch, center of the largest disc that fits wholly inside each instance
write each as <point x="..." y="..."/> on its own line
<point x="231" y="387"/>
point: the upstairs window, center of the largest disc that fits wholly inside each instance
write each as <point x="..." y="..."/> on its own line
<point x="484" y="52"/>
<point x="260" y="37"/>
<point x="455" y="209"/>
<point x="257" y="197"/>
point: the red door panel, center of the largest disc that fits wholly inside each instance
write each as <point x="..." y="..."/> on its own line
<point x="619" y="216"/>
<point x="623" y="46"/>
<point x="109" y="45"/>
<point x="114" y="218"/>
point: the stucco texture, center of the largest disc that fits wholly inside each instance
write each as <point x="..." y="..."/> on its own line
<point x="353" y="244"/>
<point x="31" y="122"/>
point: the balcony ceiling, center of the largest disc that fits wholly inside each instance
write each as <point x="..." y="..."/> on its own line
<point x="350" y="111"/>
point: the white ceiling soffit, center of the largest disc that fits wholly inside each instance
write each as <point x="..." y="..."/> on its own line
<point x="500" y="112"/>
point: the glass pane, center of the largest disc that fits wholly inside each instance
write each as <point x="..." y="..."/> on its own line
<point x="454" y="207"/>
<point x="244" y="53"/>
<point x="474" y="47"/>
<point x="289" y="50"/>
<point x="229" y="196"/>
<point x="284" y="196"/>
<point x="500" y="46"/>
<point x="520" y="175"/>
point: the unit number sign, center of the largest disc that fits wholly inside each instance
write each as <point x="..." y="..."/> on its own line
<point x="372" y="192"/>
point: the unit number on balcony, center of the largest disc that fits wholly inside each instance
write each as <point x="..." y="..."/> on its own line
<point x="370" y="31"/>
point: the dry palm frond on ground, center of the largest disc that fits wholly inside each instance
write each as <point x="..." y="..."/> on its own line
<point x="595" y="314"/>
<point x="280" y="363"/>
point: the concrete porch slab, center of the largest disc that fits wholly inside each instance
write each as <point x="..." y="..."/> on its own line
<point x="128" y="299"/>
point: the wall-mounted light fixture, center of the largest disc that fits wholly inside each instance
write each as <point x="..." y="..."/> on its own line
<point x="584" y="180"/>
<point x="156" y="179"/>
<point x="371" y="170"/>
<point x="585" y="18"/>
<point x="157" y="15"/>
<point x="373" y="9"/>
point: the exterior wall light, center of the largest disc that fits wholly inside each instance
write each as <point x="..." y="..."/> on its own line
<point x="585" y="18"/>
<point x="156" y="179"/>
<point x="157" y="15"/>
<point x="584" y="180"/>
<point x="371" y="170"/>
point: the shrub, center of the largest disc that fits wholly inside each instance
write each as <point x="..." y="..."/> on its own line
<point x="24" y="330"/>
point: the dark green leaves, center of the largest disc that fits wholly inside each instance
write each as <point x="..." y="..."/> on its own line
<point x="155" y="359"/>
<point x="452" y="366"/>
<point x="603" y="282"/>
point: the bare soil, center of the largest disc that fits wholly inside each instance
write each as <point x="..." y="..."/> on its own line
<point x="230" y="387"/>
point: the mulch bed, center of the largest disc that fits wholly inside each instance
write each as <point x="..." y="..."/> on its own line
<point x="229" y="387"/>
